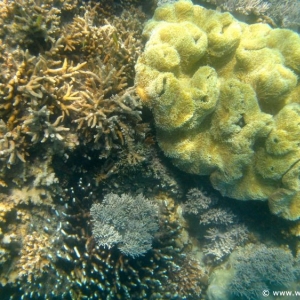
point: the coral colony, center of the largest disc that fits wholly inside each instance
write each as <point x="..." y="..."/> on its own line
<point x="221" y="91"/>
<point x="130" y="130"/>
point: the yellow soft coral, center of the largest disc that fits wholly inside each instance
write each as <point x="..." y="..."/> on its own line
<point x="224" y="96"/>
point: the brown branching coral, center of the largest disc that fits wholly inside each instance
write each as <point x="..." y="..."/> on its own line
<point x="33" y="258"/>
<point x="12" y="145"/>
<point x="245" y="7"/>
<point x="187" y="280"/>
<point x="78" y="86"/>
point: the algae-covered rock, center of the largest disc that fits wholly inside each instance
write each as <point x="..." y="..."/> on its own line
<point x="224" y="96"/>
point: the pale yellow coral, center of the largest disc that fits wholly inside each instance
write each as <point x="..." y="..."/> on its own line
<point x="224" y="96"/>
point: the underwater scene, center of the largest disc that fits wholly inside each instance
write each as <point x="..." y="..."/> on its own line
<point x="149" y="149"/>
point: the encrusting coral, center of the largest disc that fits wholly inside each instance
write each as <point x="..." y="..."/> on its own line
<point x="224" y="96"/>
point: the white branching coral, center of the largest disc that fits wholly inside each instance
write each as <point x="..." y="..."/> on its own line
<point x="197" y="201"/>
<point x="245" y="6"/>
<point x="126" y="221"/>
<point x="222" y="231"/>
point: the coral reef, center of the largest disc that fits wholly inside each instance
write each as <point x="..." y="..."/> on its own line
<point x="283" y="14"/>
<point x="71" y="128"/>
<point x="197" y="201"/>
<point x="220" y="92"/>
<point x="78" y="268"/>
<point x="74" y="93"/>
<point x="244" y="7"/>
<point x="34" y="256"/>
<point x="219" y="226"/>
<point x="126" y="221"/>
<point x="253" y="269"/>
<point x="257" y="268"/>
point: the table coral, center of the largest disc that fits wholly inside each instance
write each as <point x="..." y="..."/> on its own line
<point x="224" y="96"/>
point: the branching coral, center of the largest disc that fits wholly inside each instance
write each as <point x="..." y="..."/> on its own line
<point x="77" y="87"/>
<point x="67" y="70"/>
<point x="258" y="268"/>
<point x="244" y="7"/>
<point x="77" y="268"/>
<point x="276" y="13"/>
<point x="126" y="221"/>
<point x="33" y="257"/>
<point x="197" y="201"/>
<point x="253" y="269"/>
<point x="222" y="230"/>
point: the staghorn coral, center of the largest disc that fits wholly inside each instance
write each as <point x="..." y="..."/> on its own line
<point x="24" y="239"/>
<point x="217" y="216"/>
<point x="285" y="13"/>
<point x="221" y="243"/>
<point x="244" y="7"/>
<point x="221" y="92"/>
<point x="67" y="104"/>
<point x="126" y="221"/>
<point x="74" y="94"/>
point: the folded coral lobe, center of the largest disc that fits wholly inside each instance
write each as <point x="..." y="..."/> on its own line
<point x="224" y="95"/>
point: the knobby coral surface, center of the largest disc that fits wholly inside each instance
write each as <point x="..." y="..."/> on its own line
<point x="224" y="96"/>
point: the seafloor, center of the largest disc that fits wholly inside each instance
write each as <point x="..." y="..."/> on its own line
<point x="90" y="207"/>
